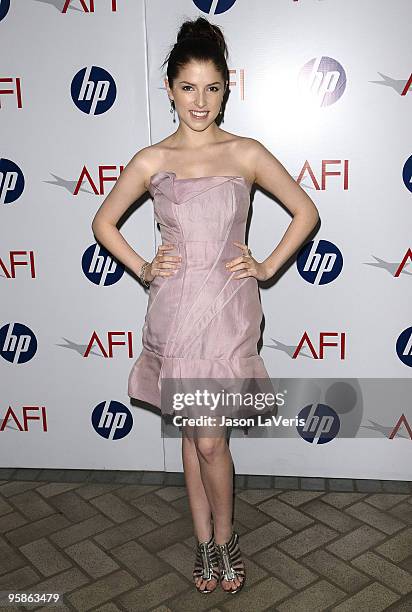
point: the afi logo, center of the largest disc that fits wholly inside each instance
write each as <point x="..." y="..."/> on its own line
<point x="8" y="89"/>
<point x="18" y="343"/>
<point x="321" y="186"/>
<point x="324" y="79"/>
<point x="11" y="419"/>
<point x="99" y="267"/>
<point x="404" y="347"/>
<point x="111" y="342"/>
<point x="322" y="423"/>
<point x="305" y="340"/>
<point x="112" y="420"/>
<point x="93" y="90"/>
<point x="407" y="174"/>
<point x="319" y="263"/>
<point x="220" y="6"/>
<point x="11" y="181"/>
<point x="10" y="267"/>
<point x="98" y="188"/>
<point x="88" y="8"/>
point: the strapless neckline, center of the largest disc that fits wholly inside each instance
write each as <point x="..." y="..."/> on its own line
<point x="198" y="178"/>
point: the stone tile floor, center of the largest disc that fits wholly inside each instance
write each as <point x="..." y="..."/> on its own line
<point x="124" y="541"/>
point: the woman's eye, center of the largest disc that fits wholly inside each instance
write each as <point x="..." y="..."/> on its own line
<point x="212" y="87"/>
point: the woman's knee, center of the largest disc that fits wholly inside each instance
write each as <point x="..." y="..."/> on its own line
<point x="210" y="448"/>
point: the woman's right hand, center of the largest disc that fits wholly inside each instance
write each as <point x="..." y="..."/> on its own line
<point x="163" y="264"/>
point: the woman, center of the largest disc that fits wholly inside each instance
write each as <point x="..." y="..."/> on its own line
<point x="210" y="199"/>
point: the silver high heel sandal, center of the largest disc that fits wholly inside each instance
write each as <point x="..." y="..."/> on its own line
<point x="206" y="564"/>
<point x="231" y="562"/>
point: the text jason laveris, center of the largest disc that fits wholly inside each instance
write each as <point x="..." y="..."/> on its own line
<point x="260" y="421"/>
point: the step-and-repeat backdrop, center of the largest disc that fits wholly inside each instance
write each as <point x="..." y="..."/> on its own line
<point x="323" y="84"/>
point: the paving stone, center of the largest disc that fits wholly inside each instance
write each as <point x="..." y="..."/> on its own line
<point x="330" y="516"/>
<point x="384" y="571"/>
<point x="50" y="489"/>
<point x="384" y="501"/>
<point x="334" y="570"/>
<point x="297" y="498"/>
<point x="10" y="558"/>
<point x="74" y="507"/>
<point x="263" y="595"/>
<point x="139" y="561"/>
<point x="90" y="490"/>
<point x="396" y="486"/>
<point x="286" y="482"/>
<point x="14" y="488"/>
<point x="262" y="537"/>
<point x="45" y="557"/>
<point x="5" y="507"/>
<point x="134" y="491"/>
<point x="179" y="557"/>
<point x="356" y="542"/>
<point x="102" y="591"/>
<point x="154" y="593"/>
<point x="402" y="605"/>
<point x="249" y="516"/>
<point x="309" y="539"/>
<point x="12" y="520"/>
<point x="37" y="529"/>
<point x="342" y="500"/>
<point x="167" y="535"/>
<point x="126" y="531"/>
<point x="7" y="473"/>
<point x="175" y="479"/>
<point x="293" y="519"/>
<point x="60" y="583"/>
<point x="91" y="558"/>
<point x="153" y="478"/>
<point x="403" y="512"/>
<point x="156" y="508"/>
<point x="285" y="568"/>
<point x="397" y="548"/>
<point x="341" y="484"/>
<point x="18" y="579"/>
<point x="374" y="597"/>
<point x="171" y="493"/>
<point x="26" y="474"/>
<point x="256" y="496"/>
<point x="32" y="505"/>
<point x="376" y="518"/>
<point x="313" y="484"/>
<point x="80" y="531"/>
<point x="259" y="482"/>
<point x="114" y="508"/>
<point x="319" y="596"/>
<point x="368" y="486"/>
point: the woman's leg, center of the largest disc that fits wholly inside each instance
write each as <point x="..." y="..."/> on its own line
<point x="216" y="470"/>
<point x="198" y="501"/>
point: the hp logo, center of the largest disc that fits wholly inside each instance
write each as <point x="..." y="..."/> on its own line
<point x="112" y="420"/>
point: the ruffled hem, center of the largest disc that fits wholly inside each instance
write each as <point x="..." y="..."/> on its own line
<point x="239" y="374"/>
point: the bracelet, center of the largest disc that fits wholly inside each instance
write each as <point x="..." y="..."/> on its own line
<point x="141" y="275"/>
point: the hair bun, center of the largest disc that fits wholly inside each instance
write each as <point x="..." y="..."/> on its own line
<point x="201" y="28"/>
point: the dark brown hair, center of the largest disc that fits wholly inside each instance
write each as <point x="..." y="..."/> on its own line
<point x="202" y="41"/>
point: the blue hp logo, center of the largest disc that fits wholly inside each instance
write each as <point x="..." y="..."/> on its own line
<point x="221" y="6"/>
<point x="404" y="346"/>
<point x="322" y="424"/>
<point x="99" y="267"/>
<point x="112" y="420"/>
<point x="319" y="263"/>
<point x="11" y="181"/>
<point x="407" y="174"/>
<point x="18" y="343"/>
<point x="93" y="90"/>
<point x="4" y="8"/>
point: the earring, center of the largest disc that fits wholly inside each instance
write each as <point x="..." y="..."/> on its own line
<point x="173" y="110"/>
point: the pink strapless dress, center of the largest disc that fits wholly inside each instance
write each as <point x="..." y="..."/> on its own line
<point x="200" y="322"/>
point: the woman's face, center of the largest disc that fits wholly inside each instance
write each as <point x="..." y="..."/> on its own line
<point x="198" y="94"/>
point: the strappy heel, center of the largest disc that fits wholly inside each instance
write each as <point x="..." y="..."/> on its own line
<point x="206" y="564"/>
<point x="231" y="562"/>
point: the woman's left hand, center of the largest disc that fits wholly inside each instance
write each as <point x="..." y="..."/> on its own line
<point x="248" y="265"/>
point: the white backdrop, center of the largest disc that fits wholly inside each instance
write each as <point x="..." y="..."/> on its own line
<point x="71" y="317"/>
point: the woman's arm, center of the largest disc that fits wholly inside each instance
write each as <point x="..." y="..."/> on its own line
<point x="130" y="185"/>
<point x="273" y="177"/>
